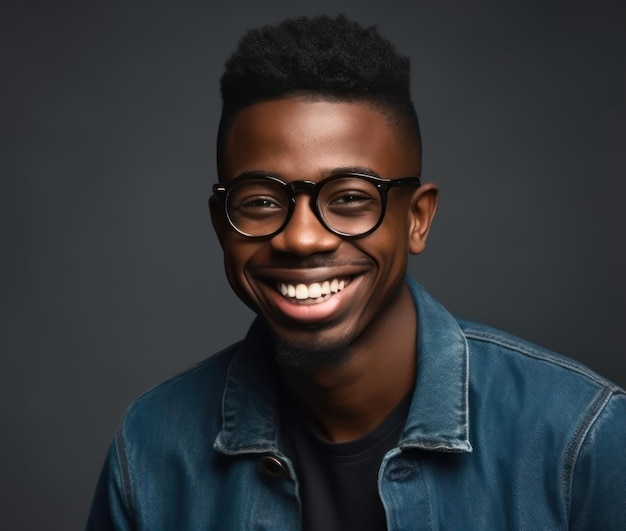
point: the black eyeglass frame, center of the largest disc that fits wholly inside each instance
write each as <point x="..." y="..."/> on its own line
<point x="222" y="191"/>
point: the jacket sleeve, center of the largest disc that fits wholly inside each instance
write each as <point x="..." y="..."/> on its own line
<point x="110" y="507"/>
<point x="599" y="481"/>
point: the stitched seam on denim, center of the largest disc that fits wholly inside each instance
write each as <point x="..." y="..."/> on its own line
<point x="427" y="492"/>
<point x="573" y="451"/>
<point x="414" y="467"/>
<point x="428" y="502"/>
<point x="466" y="419"/>
<point x="531" y="352"/>
<point x="392" y="453"/>
<point x="436" y="447"/>
<point x="226" y="382"/>
<point x="124" y="468"/>
<point x="248" y="450"/>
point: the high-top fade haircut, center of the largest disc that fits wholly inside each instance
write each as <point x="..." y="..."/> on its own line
<point x="321" y="58"/>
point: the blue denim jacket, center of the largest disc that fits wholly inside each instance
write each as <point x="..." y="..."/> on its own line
<point x="500" y="435"/>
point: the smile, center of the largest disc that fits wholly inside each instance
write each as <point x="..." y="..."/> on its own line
<point x="311" y="293"/>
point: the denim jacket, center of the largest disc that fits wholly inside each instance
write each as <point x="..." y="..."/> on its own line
<point x="501" y="434"/>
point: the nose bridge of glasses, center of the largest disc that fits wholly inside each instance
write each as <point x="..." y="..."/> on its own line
<point x="309" y="188"/>
<point x="303" y="187"/>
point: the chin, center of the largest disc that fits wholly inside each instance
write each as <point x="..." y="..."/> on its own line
<point x="310" y="354"/>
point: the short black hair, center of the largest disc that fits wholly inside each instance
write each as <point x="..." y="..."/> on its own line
<point x="323" y="57"/>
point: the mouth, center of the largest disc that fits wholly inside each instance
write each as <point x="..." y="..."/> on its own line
<point x="314" y="293"/>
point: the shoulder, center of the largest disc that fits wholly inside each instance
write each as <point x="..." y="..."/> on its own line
<point x="165" y="440"/>
<point x="555" y="416"/>
<point x="530" y="388"/>
<point x="506" y="351"/>
<point x="188" y="400"/>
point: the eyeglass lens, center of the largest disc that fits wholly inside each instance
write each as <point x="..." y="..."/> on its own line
<point x="348" y="205"/>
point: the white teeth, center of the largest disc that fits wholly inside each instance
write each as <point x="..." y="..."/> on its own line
<point x="316" y="291"/>
<point x="302" y="292"/>
<point x="326" y="288"/>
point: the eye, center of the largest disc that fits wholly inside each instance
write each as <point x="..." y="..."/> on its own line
<point x="257" y="207"/>
<point x="349" y="198"/>
<point x="256" y="199"/>
<point x="258" y="203"/>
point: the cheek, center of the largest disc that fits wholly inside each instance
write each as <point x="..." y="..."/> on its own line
<point x="236" y="256"/>
<point x="390" y="253"/>
<point x="391" y="243"/>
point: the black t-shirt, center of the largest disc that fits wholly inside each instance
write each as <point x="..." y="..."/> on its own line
<point x="339" y="481"/>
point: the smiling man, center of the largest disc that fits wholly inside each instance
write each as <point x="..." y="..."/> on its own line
<point x="356" y="401"/>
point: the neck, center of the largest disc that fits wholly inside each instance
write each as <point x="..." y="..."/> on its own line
<point x="347" y="401"/>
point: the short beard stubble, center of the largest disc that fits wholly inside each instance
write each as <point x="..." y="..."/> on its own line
<point x="294" y="357"/>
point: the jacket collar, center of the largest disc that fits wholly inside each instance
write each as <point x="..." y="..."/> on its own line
<point x="438" y="417"/>
<point x="249" y="403"/>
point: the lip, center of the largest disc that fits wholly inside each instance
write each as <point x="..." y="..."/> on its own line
<point x="309" y="312"/>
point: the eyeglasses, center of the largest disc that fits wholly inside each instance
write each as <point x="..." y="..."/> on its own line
<point x="351" y="205"/>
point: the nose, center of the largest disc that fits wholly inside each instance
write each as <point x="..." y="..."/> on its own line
<point x="304" y="234"/>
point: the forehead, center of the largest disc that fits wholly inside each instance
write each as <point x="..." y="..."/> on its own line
<point x="300" y="138"/>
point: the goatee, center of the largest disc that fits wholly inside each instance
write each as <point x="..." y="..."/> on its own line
<point x="295" y="357"/>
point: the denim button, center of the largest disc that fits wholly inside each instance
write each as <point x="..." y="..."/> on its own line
<point x="272" y="467"/>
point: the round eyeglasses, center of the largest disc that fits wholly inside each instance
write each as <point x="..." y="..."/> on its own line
<point x="351" y="205"/>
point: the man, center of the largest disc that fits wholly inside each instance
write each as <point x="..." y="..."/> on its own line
<point x="355" y="401"/>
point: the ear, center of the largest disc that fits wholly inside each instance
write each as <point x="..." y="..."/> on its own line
<point x="218" y="219"/>
<point x="423" y="208"/>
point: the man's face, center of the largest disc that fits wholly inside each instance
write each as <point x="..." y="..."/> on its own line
<point x="298" y="139"/>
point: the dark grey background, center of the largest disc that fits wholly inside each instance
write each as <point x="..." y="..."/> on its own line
<point x="111" y="276"/>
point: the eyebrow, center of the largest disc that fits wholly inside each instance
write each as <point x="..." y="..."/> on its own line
<point x="323" y="174"/>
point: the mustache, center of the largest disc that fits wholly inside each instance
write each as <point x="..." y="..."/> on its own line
<point x="311" y="262"/>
